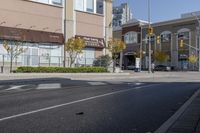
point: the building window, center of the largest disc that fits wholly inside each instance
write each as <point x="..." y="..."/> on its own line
<point x="165" y="37"/>
<point x="57" y="2"/>
<point x="80" y="5"/>
<point x="51" y="2"/>
<point x="131" y="37"/>
<point x="183" y="35"/>
<point x="99" y="6"/>
<point x="90" y="5"/>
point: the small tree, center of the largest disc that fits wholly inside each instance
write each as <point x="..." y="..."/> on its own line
<point x="74" y="46"/>
<point x="14" y="49"/>
<point x="115" y="46"/>
<point x="160" y="56"/>
<point x="193" y="59"/>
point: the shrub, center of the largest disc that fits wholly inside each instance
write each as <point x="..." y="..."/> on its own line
<point x="60" y="70"/>
<point x="103" y="61"/>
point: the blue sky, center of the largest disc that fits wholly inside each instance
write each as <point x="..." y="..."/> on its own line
<point x="161" y="10"/>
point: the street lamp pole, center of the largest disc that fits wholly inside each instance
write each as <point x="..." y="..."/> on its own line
<point x="198" y="20"/>
<point x="65" y="10"/>
<point x="149" y="37"/>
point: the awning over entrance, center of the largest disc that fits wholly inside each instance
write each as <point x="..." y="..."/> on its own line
<point x="16" y="34"/>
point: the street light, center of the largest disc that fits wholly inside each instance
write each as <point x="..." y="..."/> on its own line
<point x="150" y="30"/>
<point x="198" y="20"/>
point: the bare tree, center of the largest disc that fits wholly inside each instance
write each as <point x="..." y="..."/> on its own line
<point x="14" y="49"/>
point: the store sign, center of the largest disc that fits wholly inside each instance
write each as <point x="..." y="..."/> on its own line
<point x="93" y="42"/>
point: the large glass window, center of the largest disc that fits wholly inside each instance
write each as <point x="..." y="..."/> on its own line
<point x="90" y="5"/>
<point x="99" y="6"/>
<point x="131" y="37"/>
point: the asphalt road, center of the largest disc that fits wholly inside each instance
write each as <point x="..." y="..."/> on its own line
<point x="65" y="106"/>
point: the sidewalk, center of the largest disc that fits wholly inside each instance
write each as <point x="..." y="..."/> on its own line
<point x="86" y="76"/>
<point x="186" y="119"/>
<point x="189" y="122"/>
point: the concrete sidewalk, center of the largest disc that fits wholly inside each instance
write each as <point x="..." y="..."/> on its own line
<point x="186" y="119"/>
<point x="87" y="76"/>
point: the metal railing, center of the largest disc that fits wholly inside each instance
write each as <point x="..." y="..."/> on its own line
<point x="45" y="61"/>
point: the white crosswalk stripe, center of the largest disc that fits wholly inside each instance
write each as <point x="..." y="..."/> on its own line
<point x="49" y="86"/>
<point x="15" y="87"/>
<point x="96" y="83"/>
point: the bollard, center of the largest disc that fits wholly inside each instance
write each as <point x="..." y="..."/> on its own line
<point x="1" y="69"/>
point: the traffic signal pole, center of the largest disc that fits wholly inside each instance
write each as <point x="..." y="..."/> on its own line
<point x="149" y="36"/>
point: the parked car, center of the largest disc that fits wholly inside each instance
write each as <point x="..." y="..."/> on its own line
<point x="162" y="68"/>
<point x="130" y="67"/>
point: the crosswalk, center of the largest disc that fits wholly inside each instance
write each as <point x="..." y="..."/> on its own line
<point x="51" y="86"/>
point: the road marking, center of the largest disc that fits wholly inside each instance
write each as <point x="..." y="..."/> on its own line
<point x="49" y="86"/>
<point x="15" y="87"/>
<point x="138" y="83"/>
<point x="96" y="83"/>
<point x="167" y="124"/>
<point x="73" y="102"/>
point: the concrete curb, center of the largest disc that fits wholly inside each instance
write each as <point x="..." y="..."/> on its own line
<point x="166" y="125"/>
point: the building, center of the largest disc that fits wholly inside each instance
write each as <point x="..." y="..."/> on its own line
<point x="178" y="38"/>
<point x="44" y="25"/>
<point x="121" y="15"/>
<point x="131" y="35"/>
<point x="38" y="24"/>
<point x="92" y="21"/>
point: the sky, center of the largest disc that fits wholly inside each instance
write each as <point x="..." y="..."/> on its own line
<point x="161" y="10"/>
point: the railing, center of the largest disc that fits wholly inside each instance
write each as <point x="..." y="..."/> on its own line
<point x="45" y="61"/>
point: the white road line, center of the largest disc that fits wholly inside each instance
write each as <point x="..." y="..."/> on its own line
<point x="167" y="124"/>
<point x="15" y="87"/>
<point x="49" y="86"/>
<point x="96" y="83"/>
<point x="73" y="102"/>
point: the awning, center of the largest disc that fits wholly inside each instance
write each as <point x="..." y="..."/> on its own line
<point x="16" y="34"/>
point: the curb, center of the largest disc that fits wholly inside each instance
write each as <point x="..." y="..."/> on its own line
<point x="167" y="124"/>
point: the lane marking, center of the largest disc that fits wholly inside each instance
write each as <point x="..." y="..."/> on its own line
<point x="15" y="87"/>
<point x="96" y="83"/>
<point x="73" y="102"/>
<point x="49" y="86"/>
<point x="167" y="124"/>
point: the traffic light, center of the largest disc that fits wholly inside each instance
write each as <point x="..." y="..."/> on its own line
<point x="158" y="39"/>
<point x="181" y="43"/>
<point x="150" y="31"/>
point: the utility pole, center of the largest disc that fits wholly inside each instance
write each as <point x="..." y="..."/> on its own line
<point x="149" y="36"/>
<point x="64" y="62"/>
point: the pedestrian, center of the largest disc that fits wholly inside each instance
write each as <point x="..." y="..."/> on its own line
<point x="152" y="67"/>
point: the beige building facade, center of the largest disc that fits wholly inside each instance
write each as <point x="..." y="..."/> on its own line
<point x="44" y="25"/>
<point x="92" y="21"/>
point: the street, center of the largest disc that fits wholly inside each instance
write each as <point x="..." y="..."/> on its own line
<point x="59" y="105"/>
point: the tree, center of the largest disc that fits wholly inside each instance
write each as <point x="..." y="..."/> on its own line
<point x="193" y="59"/>
<point x="14" y="49"/>
<point x="115" y="46"/>
<point x="160" y="56"/>
<point x="74" y="46"/>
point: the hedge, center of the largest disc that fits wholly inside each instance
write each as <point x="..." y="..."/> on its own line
<point x="60" y="70"/>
